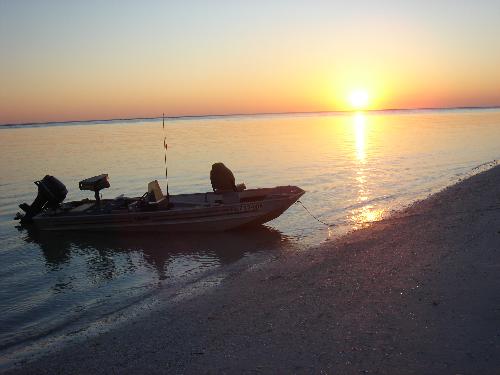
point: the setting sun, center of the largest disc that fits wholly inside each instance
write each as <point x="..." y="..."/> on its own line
<point x="358" y="99"/>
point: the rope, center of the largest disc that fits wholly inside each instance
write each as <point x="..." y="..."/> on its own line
<point x="314" y="217"/>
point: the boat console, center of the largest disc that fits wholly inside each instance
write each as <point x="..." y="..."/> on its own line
<point x="95" y="184"/>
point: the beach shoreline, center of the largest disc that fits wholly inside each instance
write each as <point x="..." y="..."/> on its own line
<point x="413" y="293"/>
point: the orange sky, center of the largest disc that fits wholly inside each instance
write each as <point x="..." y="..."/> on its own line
<point x="91" y="60"/>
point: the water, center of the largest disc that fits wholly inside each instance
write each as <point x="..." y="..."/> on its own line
<point x="356" y="168"/>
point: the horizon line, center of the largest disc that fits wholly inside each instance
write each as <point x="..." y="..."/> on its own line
<point x="250" y="114"/>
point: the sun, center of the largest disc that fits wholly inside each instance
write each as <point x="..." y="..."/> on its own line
<point x="358" y="98"/>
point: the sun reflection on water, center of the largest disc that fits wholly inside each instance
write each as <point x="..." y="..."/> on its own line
<point x="359" y="128"/>
<point x="369" y="214"/>
<point x="364" y="215"/>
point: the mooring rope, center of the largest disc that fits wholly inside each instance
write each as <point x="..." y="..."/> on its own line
<point x="314" y="217"/>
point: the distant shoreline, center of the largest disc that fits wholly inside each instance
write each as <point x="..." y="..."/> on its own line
<point x="181" y="117"/>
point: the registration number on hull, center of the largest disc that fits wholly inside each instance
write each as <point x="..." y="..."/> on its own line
<point x="251" y="206"/>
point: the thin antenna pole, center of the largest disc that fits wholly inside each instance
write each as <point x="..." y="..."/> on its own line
<point x="165" y="146"/>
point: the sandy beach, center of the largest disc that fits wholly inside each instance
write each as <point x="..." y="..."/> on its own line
<point x="417" y="293"/>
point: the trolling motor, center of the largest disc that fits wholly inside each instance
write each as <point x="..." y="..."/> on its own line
<point x="51" y="193"/>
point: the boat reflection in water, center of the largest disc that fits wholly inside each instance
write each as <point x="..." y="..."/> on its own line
<point x="107" y="256"/>
<point x="79" y="280"/>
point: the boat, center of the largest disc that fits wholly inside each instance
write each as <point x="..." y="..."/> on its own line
<point x="228" y="207"/>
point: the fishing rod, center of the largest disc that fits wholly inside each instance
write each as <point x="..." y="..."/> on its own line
<point x="165" y="146"/>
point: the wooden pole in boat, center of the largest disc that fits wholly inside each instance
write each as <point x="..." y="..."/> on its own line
<point x="165" y="146"/>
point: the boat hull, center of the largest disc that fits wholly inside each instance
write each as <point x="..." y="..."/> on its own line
<point x="212" y="217"/>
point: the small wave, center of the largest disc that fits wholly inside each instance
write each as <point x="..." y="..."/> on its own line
<point x="382" y="198"/>
<point x="484" y="166"/>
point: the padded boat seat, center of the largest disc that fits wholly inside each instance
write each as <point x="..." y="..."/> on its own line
<point x="156" y="196"/>
<point x="95" y="184"/>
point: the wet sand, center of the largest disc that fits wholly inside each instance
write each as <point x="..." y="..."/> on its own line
<point x="417" y="293"/>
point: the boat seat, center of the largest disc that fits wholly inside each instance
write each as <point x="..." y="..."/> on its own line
<point x="95" y="184"/>
<point x="156" y="196"/>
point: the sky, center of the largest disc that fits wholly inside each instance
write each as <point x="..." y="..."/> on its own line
<point x="77" y="60"/>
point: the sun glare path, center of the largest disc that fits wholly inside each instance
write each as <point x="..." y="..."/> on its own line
<point x="359" y="127"/>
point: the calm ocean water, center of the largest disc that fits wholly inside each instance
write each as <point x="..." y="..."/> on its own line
<point x="356" y="168"/>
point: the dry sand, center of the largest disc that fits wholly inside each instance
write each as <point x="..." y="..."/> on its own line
<point x="416" y="293"/>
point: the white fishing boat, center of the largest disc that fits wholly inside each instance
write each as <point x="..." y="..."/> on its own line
<point x="227" y="207"/>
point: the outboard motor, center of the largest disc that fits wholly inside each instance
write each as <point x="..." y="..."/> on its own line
<point x="51" y="192"/>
